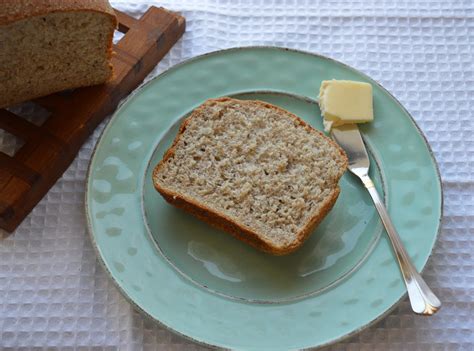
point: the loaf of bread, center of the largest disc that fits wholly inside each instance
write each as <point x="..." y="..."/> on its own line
<point x="53" y="45"/>
<point x="254" y="170"/>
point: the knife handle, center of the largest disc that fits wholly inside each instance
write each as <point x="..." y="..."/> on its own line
<point x="423" y="301"/>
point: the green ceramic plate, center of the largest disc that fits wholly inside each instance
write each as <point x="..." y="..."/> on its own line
<point x="206" y="285"/>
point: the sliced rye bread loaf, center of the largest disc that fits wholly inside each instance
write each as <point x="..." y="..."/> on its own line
<point x="253" y="170"/>
<point x="54" y="45"/>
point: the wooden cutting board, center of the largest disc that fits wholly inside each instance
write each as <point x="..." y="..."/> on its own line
<point x="50" y="148"/>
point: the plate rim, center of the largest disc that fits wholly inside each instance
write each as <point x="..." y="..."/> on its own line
<point x="142" y="86"/>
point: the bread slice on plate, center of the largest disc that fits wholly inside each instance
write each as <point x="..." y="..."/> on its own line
<point x="253" y="170"/>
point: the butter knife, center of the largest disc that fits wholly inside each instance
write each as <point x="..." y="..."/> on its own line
<point x="423" y="301"/>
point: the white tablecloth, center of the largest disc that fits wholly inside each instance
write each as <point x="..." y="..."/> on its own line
<point x="54" y="293"/>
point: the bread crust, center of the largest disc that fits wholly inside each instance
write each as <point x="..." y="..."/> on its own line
<point x="15" y="10"/>
<point x="219" y="219"/>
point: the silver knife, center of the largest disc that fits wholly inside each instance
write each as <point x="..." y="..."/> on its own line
<point x="422" y="299"/>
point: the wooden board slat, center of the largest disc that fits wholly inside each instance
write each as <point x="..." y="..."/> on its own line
<point x="18" y="169"/>
<point x="125" y="21"/>
<point x="50" y="148"/>
<point x="17" y="126"/>
<point x="53" y="102"/>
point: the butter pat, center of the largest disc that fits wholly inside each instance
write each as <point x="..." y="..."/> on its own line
<point x="345" y="101"/>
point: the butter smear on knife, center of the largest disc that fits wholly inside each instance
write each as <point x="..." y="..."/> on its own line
<point x="345" y="101"/>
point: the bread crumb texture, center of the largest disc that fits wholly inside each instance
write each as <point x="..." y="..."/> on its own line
<point x="258" y="164"/>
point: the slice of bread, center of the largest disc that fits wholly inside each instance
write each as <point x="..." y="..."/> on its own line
<point x="54" y="45"/>
<point x="254" y="170"/>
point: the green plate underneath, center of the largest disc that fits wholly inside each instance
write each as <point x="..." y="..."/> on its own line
<point x="206" y="285"/>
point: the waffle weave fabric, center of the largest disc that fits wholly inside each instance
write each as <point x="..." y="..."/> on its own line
<point x="55" y="294"/>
